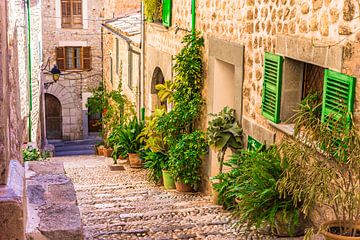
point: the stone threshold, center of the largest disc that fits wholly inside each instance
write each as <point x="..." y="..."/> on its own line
<point x="51" y="203"/>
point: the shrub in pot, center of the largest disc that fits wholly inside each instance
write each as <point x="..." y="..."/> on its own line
<point x="323" y="162"/>
<point x="130" y="141"/>
<point x="185" y="159"/>
<point x="250" y="192"/>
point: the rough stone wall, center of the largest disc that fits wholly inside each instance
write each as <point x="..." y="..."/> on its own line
<point x="36" y="62"/>
<point x="73" y="84"/>
<point x="255" y="24"/>
<point x="116" y="8"/>
<point x="12" y="224"/>
<point x="109" y="48"/>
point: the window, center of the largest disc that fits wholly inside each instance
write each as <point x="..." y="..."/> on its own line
<point x="71" y="13"/>
<point x="288" y="81"/>
<point x="73" y="58"/>
<point x="166" y="12"/>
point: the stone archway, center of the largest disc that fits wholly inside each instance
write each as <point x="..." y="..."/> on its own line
<point x="157" y="78"/>
<point x="53" y="117"/>
<point x="69" y="117"/>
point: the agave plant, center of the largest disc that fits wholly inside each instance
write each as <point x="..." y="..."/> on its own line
<point x="224" y="132"/>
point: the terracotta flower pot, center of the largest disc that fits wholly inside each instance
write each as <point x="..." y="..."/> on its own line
<point x="182" y="187"/>
<point x="287" y="228"/>
<point x="330" y="228"/>
<point x="135" y="160"/>
<point x="101" y="150"/>
<point x="169" y="182"/>
<point x="108" y="152"/>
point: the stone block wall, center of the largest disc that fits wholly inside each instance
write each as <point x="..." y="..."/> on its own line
<point x="126" y="66"/>
<point x="329" y="26"/>
<point x="71" y="86"/>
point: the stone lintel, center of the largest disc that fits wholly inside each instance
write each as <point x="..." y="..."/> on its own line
<point x="306" y="50"/>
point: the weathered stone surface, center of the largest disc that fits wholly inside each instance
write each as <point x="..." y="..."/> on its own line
<point x="305" y="8"/>
<point x="324" y="24"/>
<point x="317" y="4"/>
<point x="344" y="30"/>
<point x="52" y="206"/>
<point x="334" y="15"/>
<point x="348" y="10"/>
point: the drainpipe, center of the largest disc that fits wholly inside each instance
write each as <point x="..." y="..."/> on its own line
<point x="142" y="62"/>
<point x="30" y="68"/>
<point x="193" y="17"/>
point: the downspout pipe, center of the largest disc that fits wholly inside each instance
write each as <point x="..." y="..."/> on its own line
<point x="193" y="17"/>
<point x="30" y="68"/>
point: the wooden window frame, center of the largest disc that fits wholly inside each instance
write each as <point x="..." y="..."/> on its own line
<point x="71" y="20"/>
<point x="85" y="58"/>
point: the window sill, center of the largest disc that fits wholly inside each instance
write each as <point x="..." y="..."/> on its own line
<point x="158" y="26"/>
<point x="288" y="129"/>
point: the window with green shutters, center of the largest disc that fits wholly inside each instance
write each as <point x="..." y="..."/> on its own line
<point x="271" y="96"/>
<point x="166" y="12"/>
<point x="338" y="96"/>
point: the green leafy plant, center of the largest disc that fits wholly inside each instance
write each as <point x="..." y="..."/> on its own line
<point x="250" y="191"/>
<point x="153" y="10"/>
<point x="185" y="158"/>
<point x="224" y="132"/>
<point x="323" y="160"/>
<point x="33" y="154"/>
<point x="166" y="91"/>
<point x="155" y="162"/>
<point x="128" y="137"/>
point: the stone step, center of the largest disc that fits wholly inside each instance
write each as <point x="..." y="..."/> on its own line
<point x="75" y="153"/>
<point x="51" y="203"/>
<point x="74" y="147"/>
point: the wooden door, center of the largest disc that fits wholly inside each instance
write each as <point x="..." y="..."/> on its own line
<point x="53" y="116"/>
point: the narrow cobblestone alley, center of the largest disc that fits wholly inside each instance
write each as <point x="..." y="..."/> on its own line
<point x="123" y="205"/>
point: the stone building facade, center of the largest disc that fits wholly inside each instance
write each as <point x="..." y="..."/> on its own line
<point x="309" y="35"/>
<point x="72" y="40"/>
<point x="122" y="56"/>
<point x="14" y="92"/>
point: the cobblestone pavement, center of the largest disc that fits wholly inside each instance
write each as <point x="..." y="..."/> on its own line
<point x="123" y="205"/>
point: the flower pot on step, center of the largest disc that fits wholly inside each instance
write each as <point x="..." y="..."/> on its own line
<point x="332" y="230"/>
<point x="182" y="187"/>
<point x="135" y="160"/>
<point x="169" y="182"/>
<point x="101" y="150"/>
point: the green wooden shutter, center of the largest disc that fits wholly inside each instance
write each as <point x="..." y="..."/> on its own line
<point x="166" y="13"/>
<point x="253" y="145"/>
<point x="271" y="95"/>
<point x="338" y="96"/>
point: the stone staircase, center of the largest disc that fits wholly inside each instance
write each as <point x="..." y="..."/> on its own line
<point x="74" y="148"/>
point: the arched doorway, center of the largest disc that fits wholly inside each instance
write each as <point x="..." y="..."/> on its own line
<point x="94" y="123"/>
<point x="53" y="117"/>
<point x="157" y="78"/>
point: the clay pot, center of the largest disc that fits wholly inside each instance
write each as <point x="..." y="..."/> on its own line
<point x="286" y="227"/>
<point x="182" y="187"/>
<point x="169" y="182"/>
<point x="335" y="224"/>
<point x="135" y="160"/>
<point x="100" y="150"/>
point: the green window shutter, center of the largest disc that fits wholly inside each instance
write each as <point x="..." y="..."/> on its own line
<point x="166" y="12"/>
<point x="253" y="145"/>
<point x="338" y="96"/>
<point x="271" y="95"/>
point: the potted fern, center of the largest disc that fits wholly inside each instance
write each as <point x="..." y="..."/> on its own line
<point x="323" y="160"/>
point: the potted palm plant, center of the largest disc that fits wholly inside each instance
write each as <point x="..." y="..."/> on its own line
<point x="129" y="139"/>
<point x="323" y="160"/>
